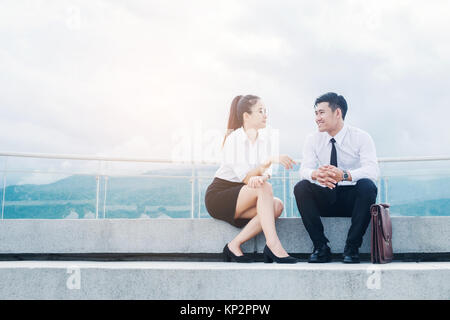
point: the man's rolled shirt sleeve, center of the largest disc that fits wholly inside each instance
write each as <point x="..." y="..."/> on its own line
<point x="368" y="159"/>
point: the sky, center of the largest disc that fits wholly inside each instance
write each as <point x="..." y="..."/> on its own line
<point x="147" y="79"/>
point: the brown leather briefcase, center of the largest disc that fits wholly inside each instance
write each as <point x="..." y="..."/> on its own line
<point x="381" y="237"/>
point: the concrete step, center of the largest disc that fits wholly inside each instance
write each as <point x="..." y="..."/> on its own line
<point x="410" y="235"/>
<point x="218" y="280"/>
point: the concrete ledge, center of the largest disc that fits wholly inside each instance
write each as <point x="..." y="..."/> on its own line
<point x="410" y="235"/>
<point x="228" y="281"/>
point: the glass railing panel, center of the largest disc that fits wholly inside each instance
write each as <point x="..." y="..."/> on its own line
<point x="57" y="167"/>
<point x="133" y="168"/>
<point x="293" y="180"/>
<point x="3" y="171"/>
<point x="420" y="188"/>
<point x="147" y="197"/>
<point x="203" y="184"/>
<point x="278" y="186"/>
<point x="204" y="175"/>
<point x="32" y="197"/>
<point x="38" y="187"/>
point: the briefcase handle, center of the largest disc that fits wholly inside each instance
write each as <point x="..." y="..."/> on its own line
<point x="373" y="208"/>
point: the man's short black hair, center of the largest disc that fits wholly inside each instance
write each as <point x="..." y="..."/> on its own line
<point x="335" y="101"/>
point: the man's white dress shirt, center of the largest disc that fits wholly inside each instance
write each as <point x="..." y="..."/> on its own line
<point x="355" y="153"/>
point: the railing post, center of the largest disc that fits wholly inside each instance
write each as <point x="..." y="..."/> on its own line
<point x="104" y="199"/>
<point x="97" y="196"/>
<point x="291" y="197"/>
<point x="284" y="192"/>
<point x="199" y="198"/>
<point x="192" y="191"/>
<point x="379" y="190"/>
<point x="386" y="190"/>
<point x="4" y="187"/>
<point x="98" y="178"/>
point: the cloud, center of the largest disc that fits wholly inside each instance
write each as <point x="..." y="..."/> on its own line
<point x="110" y="77"/>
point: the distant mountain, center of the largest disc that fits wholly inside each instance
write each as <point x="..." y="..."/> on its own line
<point x="71" y="188"/>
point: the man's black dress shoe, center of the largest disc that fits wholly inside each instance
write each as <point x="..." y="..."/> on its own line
<point x="351" y="254"/>
<point x="229" y="256"/>
<point x="321" y="254"/>
<point x="269" y="257"/>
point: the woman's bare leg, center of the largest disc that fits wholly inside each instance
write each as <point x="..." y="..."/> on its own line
<point x="264" y="200"/>
<point x="253" y="227"/>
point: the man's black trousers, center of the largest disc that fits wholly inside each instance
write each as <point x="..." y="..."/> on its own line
<point x="314" y="201"/>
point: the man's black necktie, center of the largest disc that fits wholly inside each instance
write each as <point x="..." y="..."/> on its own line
<point x="333" y="162"/>
<point x="333" y="158"/>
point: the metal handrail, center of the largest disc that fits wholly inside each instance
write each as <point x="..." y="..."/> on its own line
<point x="159" y="160"/>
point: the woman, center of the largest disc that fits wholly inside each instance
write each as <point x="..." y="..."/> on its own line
<point x="240" y="193"/>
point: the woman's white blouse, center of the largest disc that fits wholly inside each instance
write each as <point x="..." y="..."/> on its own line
<point x="240" y="155"/>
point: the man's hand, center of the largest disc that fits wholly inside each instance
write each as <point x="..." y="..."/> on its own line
<point x="338" y="173"/>
<point x="328" y="176"/>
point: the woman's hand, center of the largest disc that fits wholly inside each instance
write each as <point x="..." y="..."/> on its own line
<point x="257" y="181"/>
<point x="284" y="160"/>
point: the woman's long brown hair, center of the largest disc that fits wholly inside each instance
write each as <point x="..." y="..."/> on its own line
<point x="239" y="105"/>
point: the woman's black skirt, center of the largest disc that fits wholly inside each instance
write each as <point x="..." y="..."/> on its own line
<point x="220" y="200"/>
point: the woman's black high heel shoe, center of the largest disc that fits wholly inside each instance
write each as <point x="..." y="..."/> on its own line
<point x="269" y="257"/>
<point x="229" y="256"/>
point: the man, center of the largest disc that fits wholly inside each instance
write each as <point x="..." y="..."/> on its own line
<point x="339" y="170"/>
